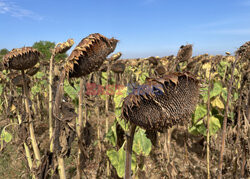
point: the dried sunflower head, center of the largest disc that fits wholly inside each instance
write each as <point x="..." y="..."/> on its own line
<point x="160" y="70"/>
<point x="162" y="102"/>
<point x="32" y="71"/>
<point x="116" y="56"/>
<point x="21" y="58"/>
<point x="64" y="47"/>
<point x="89" y="55"/>
<point x="153" y="61"/>
<point x="118" y="67"/>
<point x="244" y="51"/>
<point x="185" y="53"/>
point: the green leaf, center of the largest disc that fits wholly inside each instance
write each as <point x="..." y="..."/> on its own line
<point x="214" y="125"/>
<point x="202" y="129"/>
<point x="222" y="68"/>
<point x="235" y="96"/>
<point x="142" y="145"/>
<point x="199" y="113"/>
<point x="224" y="94"/>
<point x="6" y="136"/>
<point x="111" y="136"/>
<point x="35" y="89"/>
<point x="204" y="94"/>
<point x="39" y="75"/>
<point x="120" y="94"/>
<point x="70" y="91"/>
<point x="143" y="77"/>
<point x="207" y="67"/>
<point x="217" y="103"/>
<point x="122" y="122"/>
<point x="104" y="78"/>
<point x="117" y="159"/>
<point x="217" y="89"/>
<point x="43" y="82"/>
<point x="1" y="89"/>
<point x="103" y="97"/>
<point x="193" y="130"/>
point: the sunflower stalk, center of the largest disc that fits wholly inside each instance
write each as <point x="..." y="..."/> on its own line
<point x="31" y="127"/>
<point x="61" y="167"/>
<point x="129" y="146"/>
<point x="79" y="129"/>
<point x="107" y="111"/>
<point x="51" y="100"/>
<point x="56" y="113"/>
<point x="26" y="148"/>
<point x="229" y="89"/>
<point x="208" y="120"/>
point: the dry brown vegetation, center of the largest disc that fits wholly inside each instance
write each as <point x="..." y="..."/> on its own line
<point x="90" y="150"/>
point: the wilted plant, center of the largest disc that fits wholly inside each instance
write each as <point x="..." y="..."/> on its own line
<point x="160" y="70"/>
<point x="22" y="59"/>
<point x="159" y="104"/>
<point x="183" y="55"/>
<point x="118" y="67"/>
<point x="87" y="57"/>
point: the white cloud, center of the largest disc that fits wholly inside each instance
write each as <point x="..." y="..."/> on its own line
<point x="10" y="8"/>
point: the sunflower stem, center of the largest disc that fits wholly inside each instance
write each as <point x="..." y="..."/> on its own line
<point x="107" y="112"/>
<point x="26" y="148"/>
<point x="31" y="127"/>
<point x="130" y="139"/>
<point x="79" y="129"/>
<point x="225" y="120"/>
<point x="208" y="121"/>
<point x="51" y="100"/>
<point x="61" y="167"/>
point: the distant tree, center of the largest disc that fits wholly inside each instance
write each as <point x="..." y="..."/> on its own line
<point x="3" y="52"/>
<point x="45" y="47"/>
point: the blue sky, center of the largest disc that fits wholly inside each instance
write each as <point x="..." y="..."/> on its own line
<point x="144" y="27"/>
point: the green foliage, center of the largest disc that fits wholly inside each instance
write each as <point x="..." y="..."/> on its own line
<point x="142" y="145"/>
<point x="214" y="125"/>
<point x="222" y="68"/>
<point x="1" y="89"/>
<point x="5" y="137"/>
<point x="121" y="122"/>
<point x="218" y="97"/>
<point x="104" y="78"/>
<point x="117" y="159"/>
<point x="217" y="89"/>
<point x="118" y="99"/>
<point x="72" y="92"/>
<point x="217" y="103"/>
<point x="40" y="83"/>
<point x="111" y="136"/>
<point x="46" y="47"/>
<point x="39" y="75"/>
<point x="199" y="113"/>
<point x="119" y="96"/>
<point x="4" y="51"/>
<point x="224" y="94"/>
